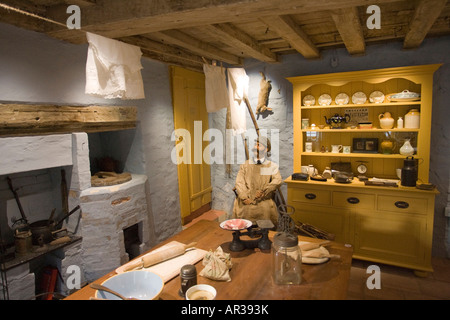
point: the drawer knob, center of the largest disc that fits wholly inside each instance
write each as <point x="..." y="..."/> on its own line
<point x="353" y="200"/>
<point x="402" y="204"/>
<point x="310" y="196"/>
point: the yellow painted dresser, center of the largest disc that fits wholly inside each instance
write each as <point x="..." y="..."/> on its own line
<point x="392" y="225"/>
<point x="383" y="224"/>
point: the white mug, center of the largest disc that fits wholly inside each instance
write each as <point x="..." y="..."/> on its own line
<point x="346" y="149"/>
<point x="304" y="169"/>
<point x="336" y="148"/>
<point x="308" y="147"/>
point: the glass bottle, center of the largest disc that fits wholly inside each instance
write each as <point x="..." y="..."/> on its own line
<point x="400" y="123"/>
<point x="286" y="259"/>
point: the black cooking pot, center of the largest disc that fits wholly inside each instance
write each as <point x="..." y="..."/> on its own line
<point x="42" y="231"/>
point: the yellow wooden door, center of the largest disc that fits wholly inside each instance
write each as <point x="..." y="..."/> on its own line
<point x="191" y="122"/>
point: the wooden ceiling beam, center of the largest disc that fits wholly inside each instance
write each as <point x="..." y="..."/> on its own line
<point x="232" y="36"/>
<point x="159" y="48"/>
<point x="81" y="3"/>
<point x="181" y="39"/>
<point x="290" y="31"/>
<point x="171" y="60"/>
<point x="22" y="20"/>
<point x="426" y="13"/>
<point x="349" y="27"/>
<point x="114" y="19"/>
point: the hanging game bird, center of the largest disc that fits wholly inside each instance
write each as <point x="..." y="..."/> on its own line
<point x="263" y="96"/>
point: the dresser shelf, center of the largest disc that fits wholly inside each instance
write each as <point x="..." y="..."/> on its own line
<point x="374" y="130"/>
<point x="354" y="155"/>
<point x="365" y="105"/>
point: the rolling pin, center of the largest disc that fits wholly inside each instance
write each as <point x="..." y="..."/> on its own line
<point x="160" y="256"/>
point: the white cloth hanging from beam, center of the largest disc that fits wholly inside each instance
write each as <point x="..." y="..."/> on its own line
<point x="216" y="92"/>
<point x="113" y="69"/>
<point x="238" y="83"/>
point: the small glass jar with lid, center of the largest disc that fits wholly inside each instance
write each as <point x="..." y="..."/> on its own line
<point x="286" y="259"/>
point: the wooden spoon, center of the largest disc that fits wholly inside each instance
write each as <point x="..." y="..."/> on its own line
<point x="106" y="289"/>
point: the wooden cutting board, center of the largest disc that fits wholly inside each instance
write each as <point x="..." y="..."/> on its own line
<point x="171" y="268"/>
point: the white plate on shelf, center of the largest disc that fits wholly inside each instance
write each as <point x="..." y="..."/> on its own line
<point x="325" y="100"/>
<point x="376" y="97"/>
<point x="359" y="98"/>
<point x="342" y="99"/>
<point x="309" y="100"/>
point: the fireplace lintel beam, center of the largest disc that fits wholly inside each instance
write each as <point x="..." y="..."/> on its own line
<point x="23" y="119"/>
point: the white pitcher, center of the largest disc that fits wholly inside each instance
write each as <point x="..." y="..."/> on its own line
<point x="336" y="148"/>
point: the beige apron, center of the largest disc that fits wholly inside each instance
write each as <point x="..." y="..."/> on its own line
<point x="251" y="178"/>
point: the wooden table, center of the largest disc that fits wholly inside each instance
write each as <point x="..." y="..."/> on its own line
<point x="251" y="277"/>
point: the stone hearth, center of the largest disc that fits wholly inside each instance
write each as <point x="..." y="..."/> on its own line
<point x="105" y="211"/>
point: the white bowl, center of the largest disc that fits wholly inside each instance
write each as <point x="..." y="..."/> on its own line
<point x="139" y="284"/>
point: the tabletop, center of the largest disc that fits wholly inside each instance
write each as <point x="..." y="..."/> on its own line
<point x="251" y="277"/>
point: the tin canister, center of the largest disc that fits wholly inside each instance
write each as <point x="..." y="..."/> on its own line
<point x="188" y="278"/>
<point x="23" y="241"/>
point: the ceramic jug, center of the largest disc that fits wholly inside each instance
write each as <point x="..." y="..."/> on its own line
<point x="407" y="149"/>
<point x="336" y="148"/>
<point x="412" y="119"/>
<point x="386" y="120"/>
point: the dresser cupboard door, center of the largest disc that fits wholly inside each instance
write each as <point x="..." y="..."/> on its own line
<point x="332" y="221"/>
<point x="390" y="238"/>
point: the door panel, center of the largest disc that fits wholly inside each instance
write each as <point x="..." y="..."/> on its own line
<point x="194" y="177"/>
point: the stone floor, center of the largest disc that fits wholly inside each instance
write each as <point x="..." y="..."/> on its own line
<point x="396" y="283"/>
<point x="400" y="283"/>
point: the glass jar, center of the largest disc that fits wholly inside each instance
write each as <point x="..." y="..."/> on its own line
<point x="286" y="259"/>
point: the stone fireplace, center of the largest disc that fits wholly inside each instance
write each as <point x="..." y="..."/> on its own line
<point x="108" y="215"/>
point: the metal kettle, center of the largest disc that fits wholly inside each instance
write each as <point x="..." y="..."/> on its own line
<point x="336" y="121"/>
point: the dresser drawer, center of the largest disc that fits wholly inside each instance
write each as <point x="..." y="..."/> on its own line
<point x="310" y="196"/>
<point x="402" y="204"/>
<point x="353" y="200"/>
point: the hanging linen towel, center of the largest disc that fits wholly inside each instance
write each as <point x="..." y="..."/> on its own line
<point x="113" y="69"/>
<point x="216" y="91"/>
<point x="238" y="82"/>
